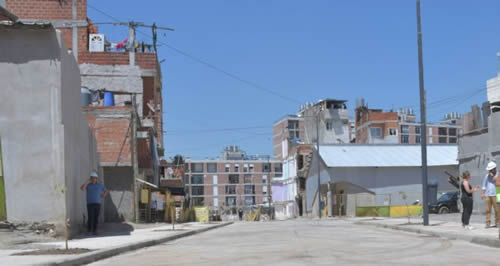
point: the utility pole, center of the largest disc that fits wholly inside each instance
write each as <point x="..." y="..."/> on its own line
<point x="269" y="188"/>
<point x="134" y="159"/>
<point x="318" y="161"/>
<point x="423" y="130"/>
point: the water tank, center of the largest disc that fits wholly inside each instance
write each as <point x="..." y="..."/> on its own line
<point x="109" y="99"/>
<point x="85" y="97"/>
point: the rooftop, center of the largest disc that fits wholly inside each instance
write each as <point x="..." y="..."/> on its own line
<point x="354" y="155"/>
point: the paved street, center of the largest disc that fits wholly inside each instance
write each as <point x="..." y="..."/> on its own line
<point x="308" y="242"/>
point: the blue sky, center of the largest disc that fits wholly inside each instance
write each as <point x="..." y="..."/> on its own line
<point x="305" y="51"/>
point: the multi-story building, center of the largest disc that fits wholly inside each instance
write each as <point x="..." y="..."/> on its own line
<point x="234" y="181"/>
<point x="328" y="118"/>
<point x="374" y="126"/>
<point x="127" y="121"/>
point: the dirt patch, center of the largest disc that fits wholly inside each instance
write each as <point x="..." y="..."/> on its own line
<point x="71" y="251"/>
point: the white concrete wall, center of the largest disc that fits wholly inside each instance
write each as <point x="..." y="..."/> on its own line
<point x="381" y="180"/>
<point x="46" y="141"/>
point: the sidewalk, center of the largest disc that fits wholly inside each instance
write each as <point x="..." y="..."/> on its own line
<point x="446" y="229"/>
<point x="105" y="245"/>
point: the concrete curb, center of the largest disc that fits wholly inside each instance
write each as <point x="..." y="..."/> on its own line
<point x="490" y="242"/>
<point x="110" y="252"/>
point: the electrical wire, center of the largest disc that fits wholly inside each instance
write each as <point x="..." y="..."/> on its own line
<point x="250" y="83"/>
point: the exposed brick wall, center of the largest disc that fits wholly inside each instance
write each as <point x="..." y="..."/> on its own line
<point x="146" y="60"/>
<point x="46" y="9"/>
<point x="113" y="139"/>
<point x="104" y="58"/>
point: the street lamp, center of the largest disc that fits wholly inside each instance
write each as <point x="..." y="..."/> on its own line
<point x="423" y="130"/>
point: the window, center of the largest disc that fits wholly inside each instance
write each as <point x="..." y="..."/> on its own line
<point x="227" y="168"/>
<point x="443" y="140"/>
<point x="245" y="168"/>
<point x="329" y="124"/>
<point x="417" y="139"/>
<point x="405" y="139"/>
<point x="393" y="131"/>
<point x="249" y="189"/>
<point x="249" y="200"/>
<point x="212" y="167"/>
<point x="199" y="201"/>
<point x="452" y="131"/>
<point x="231" y="189"/>
<point x="278" y="167"/>
<point x="266" y="167"/>
<point x="231" y="201"/>
<point x="417" y="129"/>
<point x="251" y="167"/>
<point x="405" y="129"/>
<point x="442" y="131"/>
<point x="453" y="140"/>
<point x="237" y="168"/>
<point x="247" y="179"/>
<point x="197" y="190"/>
<point x="197" y="167"/>
<point x="234" y="179"/>
<point x="376" y="132"/>
<point x="197" y="179"/>
<point x="264" y="179"/>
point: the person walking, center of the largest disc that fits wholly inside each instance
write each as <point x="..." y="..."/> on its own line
<point x="240" y="214"/>
<point x="489" y="194"/>
<point x="467" y="190"/>
<point x="95" y="194"/>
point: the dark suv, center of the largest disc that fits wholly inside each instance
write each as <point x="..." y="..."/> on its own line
<point x="446" y="203"/>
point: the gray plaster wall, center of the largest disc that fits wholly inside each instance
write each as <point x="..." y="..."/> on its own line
<point x="47" y="146"/>
<point x="120" y="202"/>
<point x="474" y="153"/>
<point x="117" y="78"/>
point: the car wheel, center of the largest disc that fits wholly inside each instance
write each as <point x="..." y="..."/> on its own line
<point x="443" y="209"/>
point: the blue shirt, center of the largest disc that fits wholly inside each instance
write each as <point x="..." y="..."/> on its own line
<point x="94" y="192"/>
<point x="489" y="186"/>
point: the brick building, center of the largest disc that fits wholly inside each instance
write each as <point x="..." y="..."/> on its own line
<point x="132" y="76"/>
<point x="234" y="181"/>
<point x="374" y="126"/>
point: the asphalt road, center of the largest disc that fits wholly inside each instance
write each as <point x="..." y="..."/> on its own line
<point x="309" y="242"/>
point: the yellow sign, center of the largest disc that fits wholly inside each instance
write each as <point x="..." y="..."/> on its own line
<point x="144" y="196"/>
<point x="201" y="214"/>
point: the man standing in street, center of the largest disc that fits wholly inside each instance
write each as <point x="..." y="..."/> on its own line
<point x="489" y="194"/>
<point x="95" y="194"/>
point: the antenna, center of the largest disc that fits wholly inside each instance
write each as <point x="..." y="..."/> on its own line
<point x="132" y="25"/>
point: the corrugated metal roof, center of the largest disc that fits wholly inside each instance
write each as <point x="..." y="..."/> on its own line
<point x="387" y="155"/>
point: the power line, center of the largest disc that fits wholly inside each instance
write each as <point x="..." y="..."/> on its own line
<point x="209" y="65"/>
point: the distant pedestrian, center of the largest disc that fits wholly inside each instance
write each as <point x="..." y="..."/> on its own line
<point x="240" y="214"/>
<point x="466" y="199"/>
<point x="95" y="194"/>
<point x="489" y="194"/>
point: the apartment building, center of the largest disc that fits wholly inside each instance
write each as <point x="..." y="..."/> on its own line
<point x="235" y="180"/>
<point x="375" y="126"/>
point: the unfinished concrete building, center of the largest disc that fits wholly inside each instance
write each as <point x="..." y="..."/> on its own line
<point x="480" y="141"/>
<point x="121" y="94"/>
<point x="47" y="149"/>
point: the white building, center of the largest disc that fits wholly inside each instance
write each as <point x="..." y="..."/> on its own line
<point x="385" y="170"/>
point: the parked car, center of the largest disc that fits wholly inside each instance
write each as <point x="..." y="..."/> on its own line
<point x="448" y="202"/>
